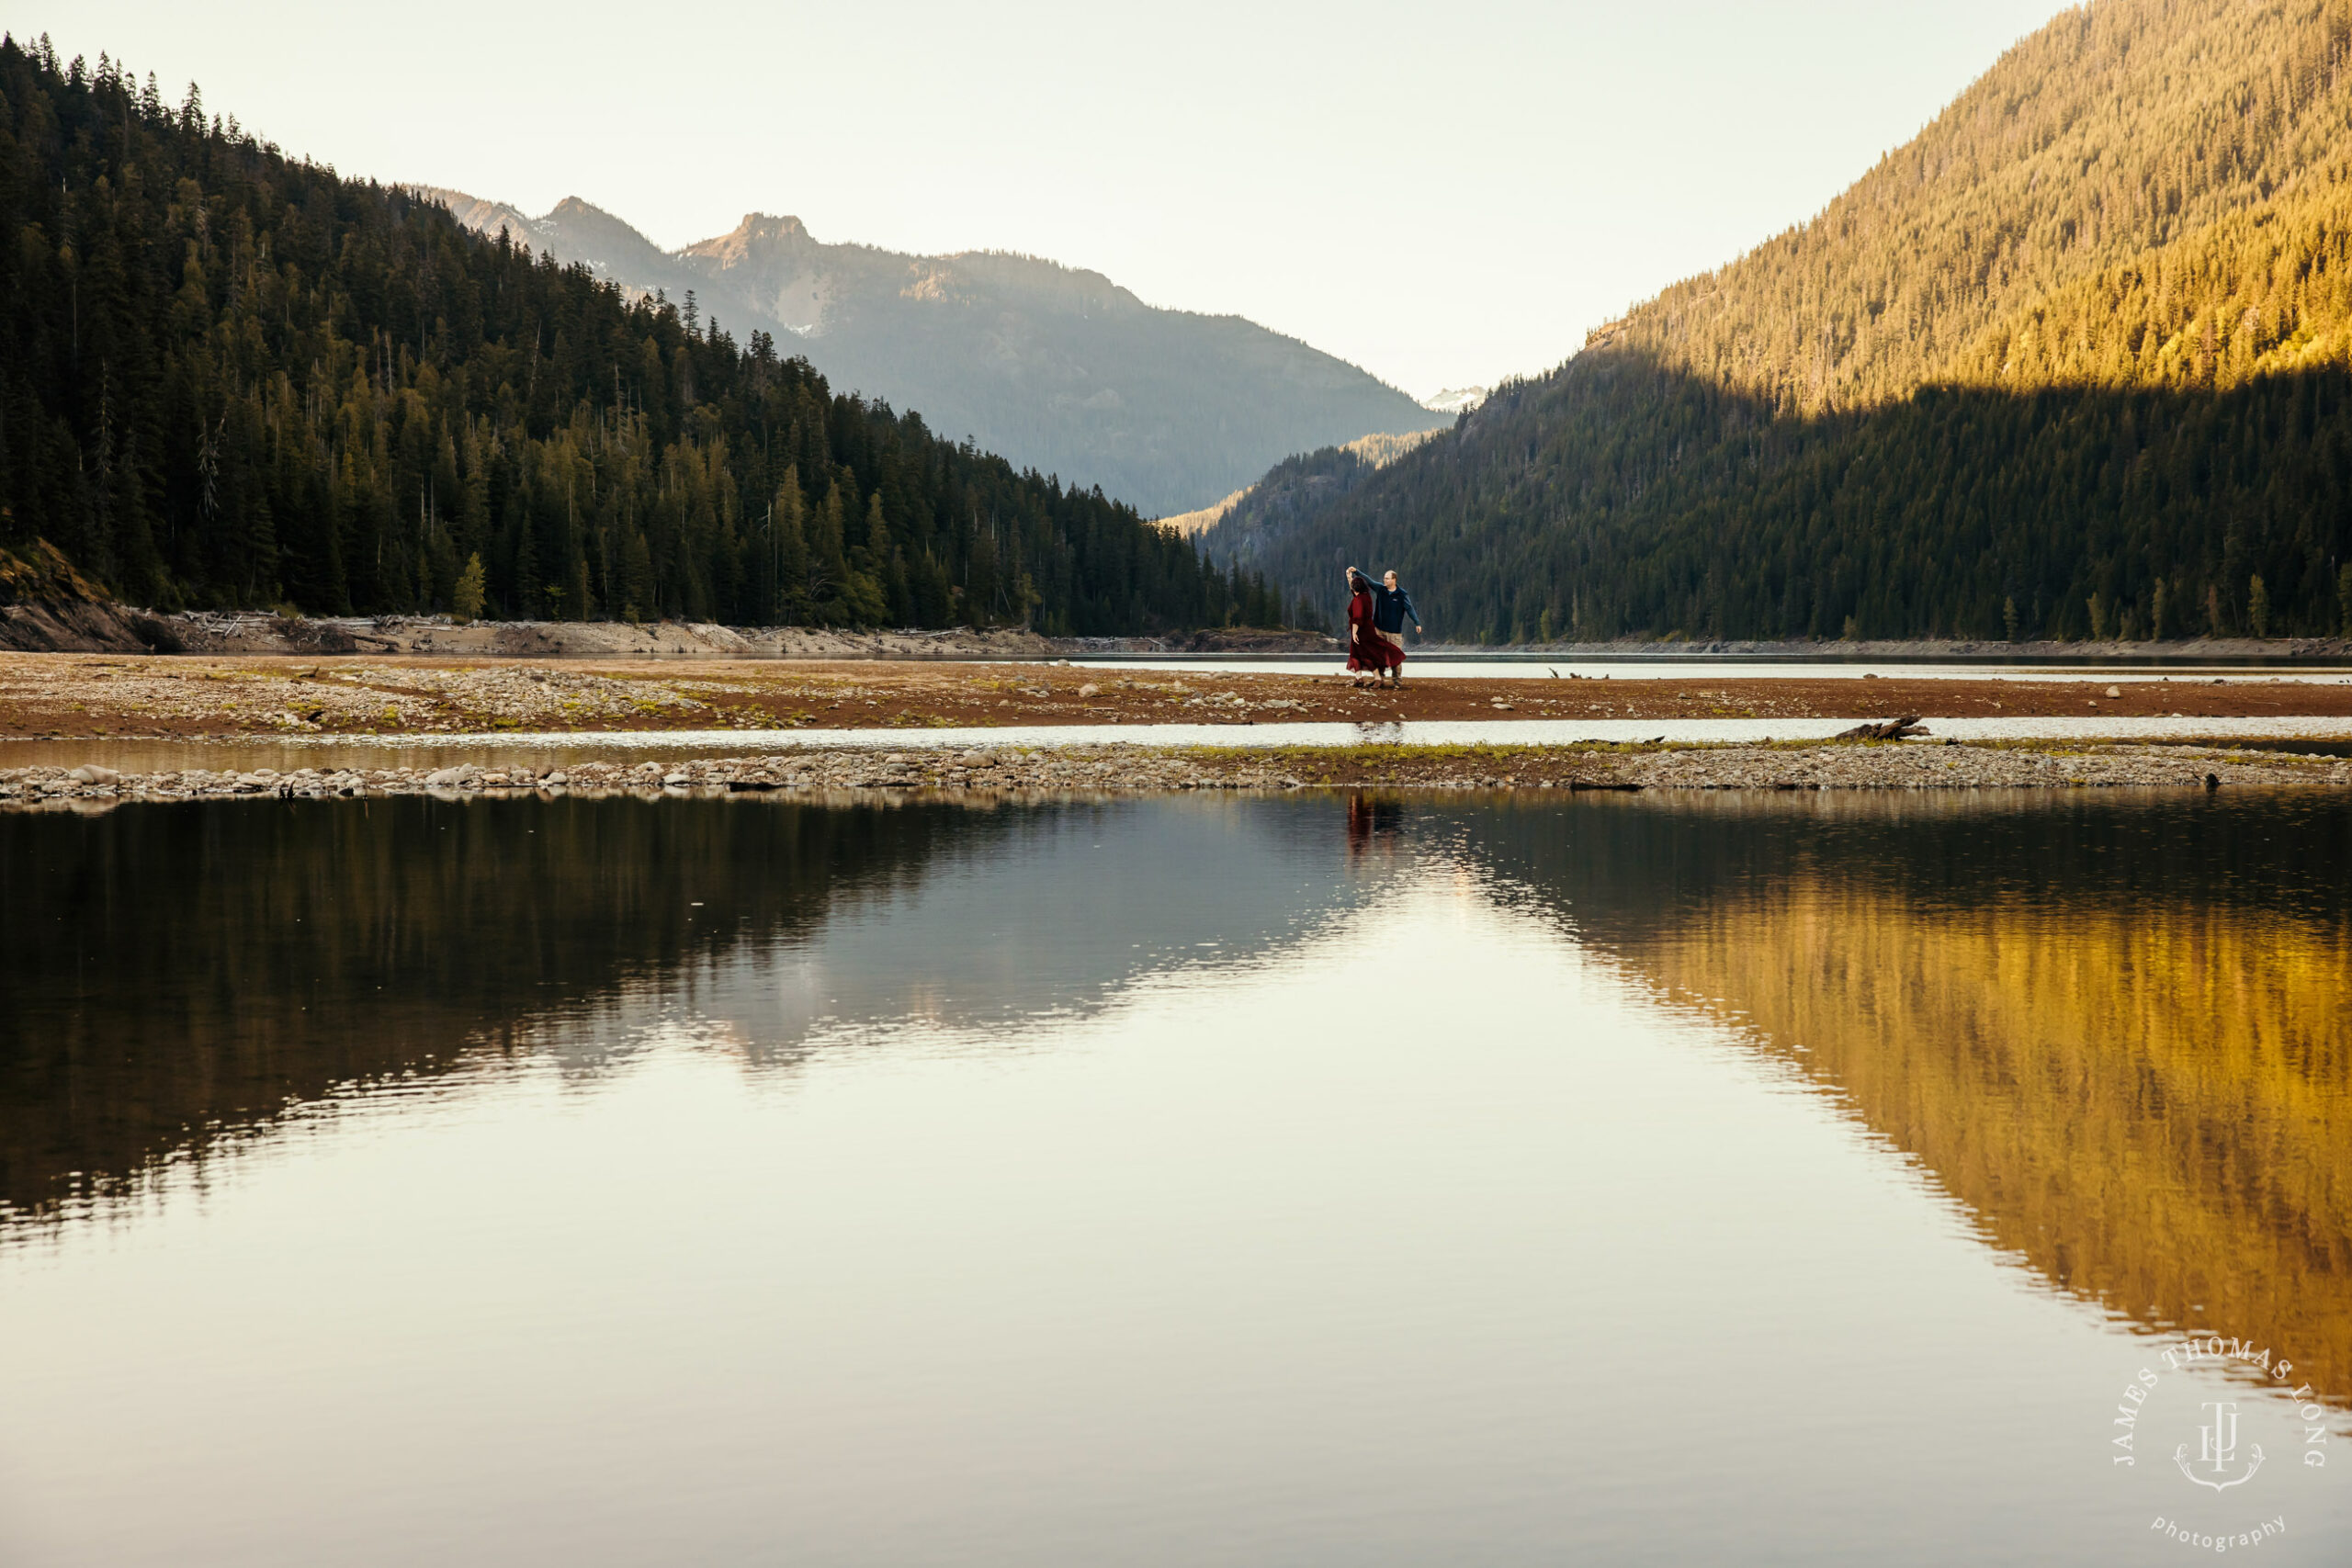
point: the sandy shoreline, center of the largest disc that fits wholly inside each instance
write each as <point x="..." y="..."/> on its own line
<point x="74" y="695"/>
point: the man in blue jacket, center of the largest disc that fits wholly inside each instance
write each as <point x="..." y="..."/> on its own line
<point x="1391" y="608"/>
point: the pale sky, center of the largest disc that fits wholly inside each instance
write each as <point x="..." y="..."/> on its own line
<point x="1443" y="194"/>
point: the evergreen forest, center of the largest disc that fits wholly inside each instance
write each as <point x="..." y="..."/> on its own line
<point x="2075" y="362"/>
<point x="233" y="378"/>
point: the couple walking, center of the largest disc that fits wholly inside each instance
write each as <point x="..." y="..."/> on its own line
<point x="1376" y="615"/>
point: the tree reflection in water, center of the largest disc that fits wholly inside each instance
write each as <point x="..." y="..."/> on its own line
<point x="2119" y="1030"/>
<point x="173" y="978"/>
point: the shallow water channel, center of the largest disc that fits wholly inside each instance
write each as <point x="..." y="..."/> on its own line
<point x="1741" y="1179"/>
<point x="556" y="749"/>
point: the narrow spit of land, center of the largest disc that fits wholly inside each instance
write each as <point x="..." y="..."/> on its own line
<point x="1034" y="772"/>
<point x="71" y="695"/>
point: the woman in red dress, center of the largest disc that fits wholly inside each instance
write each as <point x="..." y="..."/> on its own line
<point x="1368" y="651"/>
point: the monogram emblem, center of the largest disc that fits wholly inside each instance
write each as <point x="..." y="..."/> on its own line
<point x="2217" y="1450"/>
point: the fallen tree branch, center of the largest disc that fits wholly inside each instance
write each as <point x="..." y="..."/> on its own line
<point x="1893" y="730"/>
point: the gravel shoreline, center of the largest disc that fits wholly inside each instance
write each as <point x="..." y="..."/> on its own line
<point x="1127" y="769"/>
<point x="54" y="696"/>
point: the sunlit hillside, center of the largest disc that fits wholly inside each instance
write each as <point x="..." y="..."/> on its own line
<point x="2088" y="337"/>
<point x="2119" y="131"/>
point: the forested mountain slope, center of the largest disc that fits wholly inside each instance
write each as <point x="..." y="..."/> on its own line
<point x="1058" y="367"/>
<point x="232" y="378"/>
<point x="2075" y="360"/>
<point x="1294" y="486"/>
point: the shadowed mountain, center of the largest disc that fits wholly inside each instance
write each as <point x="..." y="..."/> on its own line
<point x="1294" y="487"/>
<point x="1964" y="511"/>
<point x="1053" y="367"/>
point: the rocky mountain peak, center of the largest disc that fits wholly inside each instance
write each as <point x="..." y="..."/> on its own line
<point x="759" y="235"/>
<point x="1058" y="367"/>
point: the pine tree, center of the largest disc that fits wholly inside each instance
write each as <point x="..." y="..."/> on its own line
<point x="636" y="578"/>
<point x="788" y="600"/>
<point x="466" y="599"/>
<point x="829" y="591"/>
<point x="983" y="589"/>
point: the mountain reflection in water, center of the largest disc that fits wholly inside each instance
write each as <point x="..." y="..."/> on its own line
<point x="173" y="978"/>
<point x="2119" y="1030"/>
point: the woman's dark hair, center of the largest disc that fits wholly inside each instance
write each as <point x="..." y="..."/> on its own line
<point x="1358" y="582"/>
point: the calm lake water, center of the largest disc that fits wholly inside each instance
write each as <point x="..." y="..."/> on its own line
<point x="1739" y="1180"/>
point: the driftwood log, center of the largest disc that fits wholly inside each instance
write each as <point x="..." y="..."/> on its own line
<point x="1893" y="730"/>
